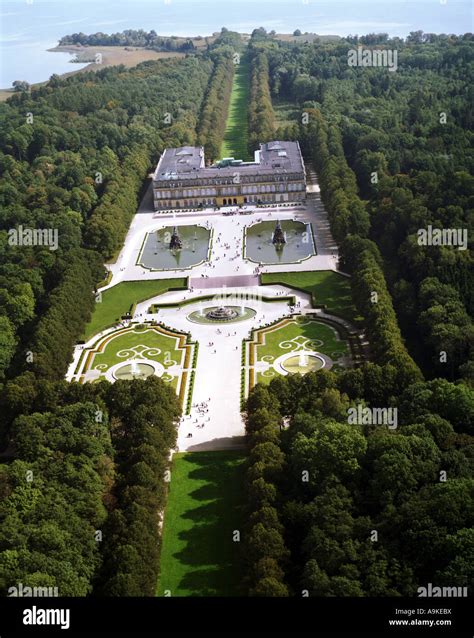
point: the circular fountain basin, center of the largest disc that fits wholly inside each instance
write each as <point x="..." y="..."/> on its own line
<point x="214" y="314"/>
<point x="296" y="364"/>
<point x="138" y="371"/>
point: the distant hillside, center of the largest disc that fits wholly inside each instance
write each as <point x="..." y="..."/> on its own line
<point x="138" y="38"/>
<point x="306" y="37"/>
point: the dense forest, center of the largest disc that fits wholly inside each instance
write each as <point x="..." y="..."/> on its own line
<point x="74" y="154"/>
<point x="212" y="122"/>
<point x="261" y="120"/>
<point x="407" y="137"/>
<point x="332" y="508"/>
<point x="80" y="503"/>
<point x="351" y="510"/>
<point x="350" y="225"/>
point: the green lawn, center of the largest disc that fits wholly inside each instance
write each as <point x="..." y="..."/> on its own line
<point x="326" y="287"/>
<point x="236" y="134"/>
<point x="198" y="555"/>
<point x="116" y="301"/>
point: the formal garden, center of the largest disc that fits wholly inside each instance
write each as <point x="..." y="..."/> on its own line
<point x="221" y="314"/>
<point x="298" y="344"/>
<point x="138" y="351"/>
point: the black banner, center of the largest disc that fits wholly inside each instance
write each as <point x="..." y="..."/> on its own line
<point x="227" y="616"/>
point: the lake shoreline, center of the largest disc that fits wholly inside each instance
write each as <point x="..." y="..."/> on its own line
<point x="111" y="56"/>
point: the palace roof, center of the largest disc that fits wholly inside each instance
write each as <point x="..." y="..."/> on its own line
<point x="188" y="162"/>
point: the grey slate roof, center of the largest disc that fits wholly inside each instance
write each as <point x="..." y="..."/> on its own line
<point x="188" y="162"/>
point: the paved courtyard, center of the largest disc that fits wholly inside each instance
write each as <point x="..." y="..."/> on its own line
<point x="226" y="259"/>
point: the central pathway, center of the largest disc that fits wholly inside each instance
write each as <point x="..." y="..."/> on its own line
<point x="218" y="371"/>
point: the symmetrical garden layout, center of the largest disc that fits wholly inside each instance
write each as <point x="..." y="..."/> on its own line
<point x="215" y="330"/>
<point x="212" y="305"/>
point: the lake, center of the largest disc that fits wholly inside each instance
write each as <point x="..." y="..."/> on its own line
<point x="29" y="27"/>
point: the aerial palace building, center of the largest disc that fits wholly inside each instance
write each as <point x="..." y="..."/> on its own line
<point x="182" y="179"/>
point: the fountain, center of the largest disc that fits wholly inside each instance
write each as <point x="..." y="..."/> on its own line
<point x="302" y="359"/>
<point x="279" y="239"/>
<point x="303" y="362"/>
<point x="175" y="243"/>
<point x="221" y="313"/>
<point x="174" y="247"/>
<point x="134" y="370"/>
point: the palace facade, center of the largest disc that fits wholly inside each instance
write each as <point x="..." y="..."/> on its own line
<point x="182" y="179"/>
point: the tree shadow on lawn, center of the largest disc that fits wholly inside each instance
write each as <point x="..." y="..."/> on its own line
<point x="210" y="582"/>
<point x="210" y="552"/>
